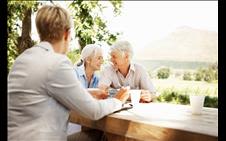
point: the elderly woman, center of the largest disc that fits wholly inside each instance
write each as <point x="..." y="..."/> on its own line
<point x="90" y="61"/>
<point x="42" y="87"/>
<point x="122" y="72"/>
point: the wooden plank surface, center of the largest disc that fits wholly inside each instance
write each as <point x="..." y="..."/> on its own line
<point x="158" y="121"/>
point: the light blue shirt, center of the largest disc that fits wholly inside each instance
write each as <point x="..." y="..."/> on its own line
<point x="81" y="75"/>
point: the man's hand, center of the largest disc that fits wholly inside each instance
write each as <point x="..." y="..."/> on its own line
<point x="122" y="94"/>
<point x="146" y="96"/>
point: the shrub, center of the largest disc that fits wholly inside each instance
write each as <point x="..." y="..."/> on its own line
<point x="207" y="75"/>
<point x="199" y="75"/>
<point x="187" y="76"/>
<point x="173" y="96"/>
<point x="211" y="102"/>
<point x="163" y="73"/>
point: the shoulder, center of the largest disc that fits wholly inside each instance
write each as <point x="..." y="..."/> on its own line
<point x="139" y="67"/>
<point x="60" y="67"/>
<point x="59" y="63"/>
<point x="61" y="59"/>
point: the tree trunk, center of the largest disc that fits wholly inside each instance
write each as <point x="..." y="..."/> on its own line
<point x="25" y="41"/>
<point x="81" y="44"/>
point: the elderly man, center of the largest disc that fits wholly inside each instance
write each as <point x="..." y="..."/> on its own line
<point x="122" y="72"/>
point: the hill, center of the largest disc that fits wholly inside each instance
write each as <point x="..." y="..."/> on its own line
<point x="184" y="44"/>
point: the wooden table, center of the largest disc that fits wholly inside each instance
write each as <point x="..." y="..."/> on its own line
<point x="156" y="122"/>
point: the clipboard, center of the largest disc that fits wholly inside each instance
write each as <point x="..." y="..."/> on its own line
<point x="125" y="106"/>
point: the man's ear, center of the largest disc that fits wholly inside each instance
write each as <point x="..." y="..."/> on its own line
<point x="126" y="56"/>
<point x="67" y="35"/>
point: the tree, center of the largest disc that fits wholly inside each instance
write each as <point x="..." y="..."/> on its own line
<point x="74" y="55"/>
<point x="88" y="24"/>
<point x="19" y="11"/>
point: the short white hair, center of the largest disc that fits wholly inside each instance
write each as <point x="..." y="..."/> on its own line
<point x="90" y="50"/>
<point x="122" y="46"/>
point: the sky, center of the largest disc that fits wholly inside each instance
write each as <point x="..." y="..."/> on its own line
<point x="142" y="22"/>
<point x="146" y="21"/>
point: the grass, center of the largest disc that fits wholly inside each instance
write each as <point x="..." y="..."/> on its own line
<point x="187" y="87"/>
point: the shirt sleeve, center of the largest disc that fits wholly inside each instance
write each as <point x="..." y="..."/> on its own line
<point x="145" y="81"/>
<point x="67" y="90"/>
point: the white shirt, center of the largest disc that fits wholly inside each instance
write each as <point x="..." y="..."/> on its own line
<point x="137" y="78"/>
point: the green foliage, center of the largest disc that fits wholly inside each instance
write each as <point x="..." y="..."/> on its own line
<point x="214" y="68"/>
<point x="173" y="96"/>
<point x="163" y="73"/>
<point x="15" y="16"/>
<point x="187" y="76"/>
<point x="181" y="97"/>
<point x="207" y="74"/>
<point x="211" y="102"/>
<point x="89" y="26"/>
<point x="74" y="55"/>
<point x="198" y="75"/>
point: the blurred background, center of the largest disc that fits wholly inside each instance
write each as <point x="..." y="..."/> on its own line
<point x="176" y="41"/>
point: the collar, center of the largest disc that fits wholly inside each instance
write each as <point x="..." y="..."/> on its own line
<point x="81" y="71"/>
<point x="46" y="45"/>
<point x="131" y="68"/>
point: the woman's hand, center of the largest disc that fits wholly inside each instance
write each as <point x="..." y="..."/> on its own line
<point x="98" y="93"/>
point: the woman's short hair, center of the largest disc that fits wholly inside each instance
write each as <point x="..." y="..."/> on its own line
<point x="89" y="50"/>
<point x="51" y="23"/>
<point x="122" y="47"/>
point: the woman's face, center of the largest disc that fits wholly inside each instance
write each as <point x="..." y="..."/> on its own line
<point x="96" y="61"/>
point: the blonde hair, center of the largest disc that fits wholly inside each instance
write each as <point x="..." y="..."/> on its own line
<point x="52" y="22"/>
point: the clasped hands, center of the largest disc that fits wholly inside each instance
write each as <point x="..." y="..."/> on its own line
<point x="122" y="94"/>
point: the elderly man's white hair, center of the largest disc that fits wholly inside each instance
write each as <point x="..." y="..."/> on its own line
<point x="123" y="47"/>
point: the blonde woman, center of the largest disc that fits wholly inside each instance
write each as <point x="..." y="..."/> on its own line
<point x="42" y="88"/>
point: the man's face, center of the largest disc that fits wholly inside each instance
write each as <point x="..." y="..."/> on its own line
<point x="118" y="59"/>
